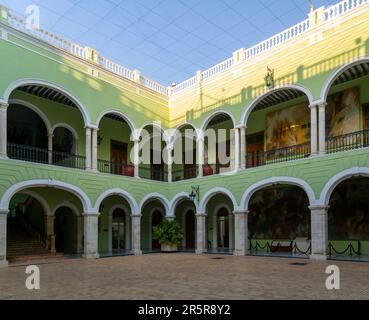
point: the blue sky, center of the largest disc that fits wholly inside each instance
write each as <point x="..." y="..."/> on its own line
<point x="168" y="40"/>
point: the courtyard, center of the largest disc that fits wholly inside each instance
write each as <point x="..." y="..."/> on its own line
<point x="186" y="277"/>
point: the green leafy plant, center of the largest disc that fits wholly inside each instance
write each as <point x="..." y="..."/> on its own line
<point x="168" y="233"/>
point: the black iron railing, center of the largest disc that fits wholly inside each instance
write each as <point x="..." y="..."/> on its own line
<point x="39" y="155"/>
<point x="185" y="173"/>
<point x="279" y="246"/>
<point x="115" y="168"/>
<point x="296" y="152"/>
<point x="350" y="141"/>
<point x="152" y="173"/>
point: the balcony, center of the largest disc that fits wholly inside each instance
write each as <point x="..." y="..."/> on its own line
<point x="38" y="155"/>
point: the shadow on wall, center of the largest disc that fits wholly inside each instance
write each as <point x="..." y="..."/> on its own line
<point x="300" y="76"/>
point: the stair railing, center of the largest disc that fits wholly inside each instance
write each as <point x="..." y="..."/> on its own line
<point x="32" y="230"/>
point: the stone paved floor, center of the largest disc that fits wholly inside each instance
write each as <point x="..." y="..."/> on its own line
<point x="186" y="276"/>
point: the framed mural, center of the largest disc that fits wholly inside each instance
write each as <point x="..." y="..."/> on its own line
<point x="287" y="127"/>
<point x="343" y="112"/>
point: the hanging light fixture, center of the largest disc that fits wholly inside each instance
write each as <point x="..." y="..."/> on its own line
<point x="195" y="194"/>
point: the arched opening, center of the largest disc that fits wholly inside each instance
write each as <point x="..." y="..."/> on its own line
<point x="27" y="134"/>
<point x="153" y="213"/>
<point x="64" y="141"/>
<point x="219" y="153"/>
<point x="185" y="213"/>
<point x="156" y="219"/>
<point x="153" y="155"/>
<point x="347" y="109"/>
<point x="66" y="231"/>
<point x="115" y="145"/>
<point x="35" y="232"/>
<point x="184" y="146"/>
<point x="27" y="138"/>
<point x="278" y="127"/>
<point x="25" y="227"/>
<point x="119" y="231"/>
<point x="220" y="224"/>
<point x="348" y="219"/>
<point x="279" y="221"/>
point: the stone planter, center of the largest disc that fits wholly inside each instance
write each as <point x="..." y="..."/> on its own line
<point x="169" y="248"/>
<point x="207" y="170"/>
<point x="129" y="171"/>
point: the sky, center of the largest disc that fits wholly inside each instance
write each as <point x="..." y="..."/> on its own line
<point x="167" y="40"/>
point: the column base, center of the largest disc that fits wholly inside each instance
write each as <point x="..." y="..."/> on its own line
<point x="322" y="153"/>
<point x="4" y="264"/>
<point x="240" y="253"/>
<point x="2" y="157"/>
<point x="198" y="251"/>
<point x="91" y="256"/>
<point x="137" y="252"/>
<point x="318" y="257"/>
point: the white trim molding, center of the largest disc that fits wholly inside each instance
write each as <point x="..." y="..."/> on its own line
<point x="18" y="187"/>
<point x="155" y="196"/>
<point x="40" y="199"/>
<point x="211" y="193"/>
<point x="253" y="104"/>
<point x="176" y="200"/>
<point x="212" y="115"/>
<point x="118" y="192"/>
<point x="337" y="179"/>
<point x="22" y="82"/>
<point x="337" y="72"/>
<point x="118" y="113"/>
<point x="250" y="191"/>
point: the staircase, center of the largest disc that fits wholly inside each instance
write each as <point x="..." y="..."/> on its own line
<point x="22" y="247"/>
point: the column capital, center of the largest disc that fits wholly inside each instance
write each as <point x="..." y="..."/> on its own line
<point x="241" y="212"/>
<point x="318" y="207"/>
<point x="4" y="211"/>
<point x="318" y="104"/>
<point x="92" y="127"/>
<point x="241" y="126"/>
<point x="4" y="105"/>
<point x="91" y="214"/>
<point x="201" y="215"/>
<point x="136" y="215"/>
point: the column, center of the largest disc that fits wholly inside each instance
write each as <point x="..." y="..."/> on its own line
<point x="241" y="230"/>
<point x="136" y="234"/>
<point x="319" y="232"/>
<point x="3" y="130"/>
<point x="80" y="234"/>
<point x="50" y="232"/>
<point x="94" y="149"/>
<point x="314" y="129"/>
<point x="236" y="149"/>
<point x="200" y="151"/>
<point x="91" y="221"/>
<point x="88" y="148"/>
<point x="243" y="147"/>
<point x="50" y="137"/>
<point x="201" y="233"/>
<point x="322" y="137"/>
<point x="170" y="164"/>
<point x="3" y="230"/>
<point x="214" y="242"/>
<point x="136" y="157"/>
<point x="230" y="230"/>
<point x="127" y="232"/>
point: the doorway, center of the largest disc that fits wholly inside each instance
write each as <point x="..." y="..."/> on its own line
<point x="118" y="152"/>
<point x="157" y="218"/>
<point x="223" y="228"/>
<point x="190" y="229"/>
<point x="255" y="149"/>
<point x="118" y="230"/>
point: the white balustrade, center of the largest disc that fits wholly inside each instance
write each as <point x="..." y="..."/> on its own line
<point x="342" y="7"/>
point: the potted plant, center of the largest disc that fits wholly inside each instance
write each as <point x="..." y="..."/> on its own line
<point x="207" y="170"/>
<point x="129" y="170"/>
<point x="169" y="235"/>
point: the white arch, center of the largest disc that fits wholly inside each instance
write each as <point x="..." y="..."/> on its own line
<point x="337" y="179"/>
<point x="213" y="115"/>
<point x="178" y="129"/>
<point x="22" y="82"/>
<point x="65" y="126"/>
<point x="156" y="125"/>
<point x="211" y="193"/>
<point x="276" y="181"/>
<point x="155" y="196"/>
<point x="176" y="200"/>
<point x="118" y="192"/>
<point x="329" y="82"/>
<point x="18" y="187"/>
<point x="66" y="204"/>
<point x="254" y="103"/>
<point x="40" y="199"/>
<point x="35" y="110"/>
<point x="118" y="113"/>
